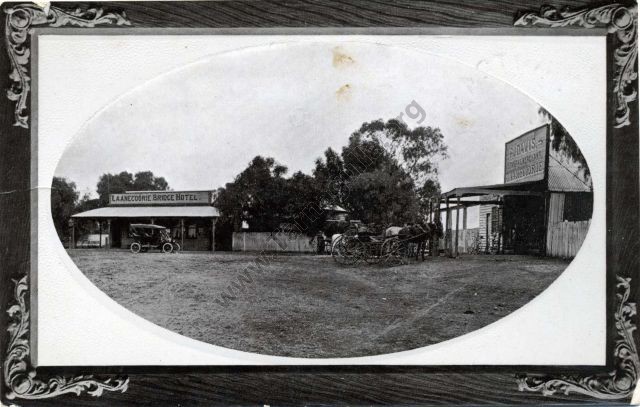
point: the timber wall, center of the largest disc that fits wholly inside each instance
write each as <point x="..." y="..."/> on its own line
<point x="565" y="238"/>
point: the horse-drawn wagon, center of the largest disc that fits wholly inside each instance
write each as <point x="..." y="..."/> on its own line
<point x="359" y="243"/>
<point x="392" y="246"/>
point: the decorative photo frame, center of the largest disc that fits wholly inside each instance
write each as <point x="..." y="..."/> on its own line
<point x="23" y="383"/>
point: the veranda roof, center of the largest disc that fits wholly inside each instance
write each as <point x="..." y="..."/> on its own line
<point x="151" y="212"/>
<point x="519" y="188"/>
<point x="560" y="180"/>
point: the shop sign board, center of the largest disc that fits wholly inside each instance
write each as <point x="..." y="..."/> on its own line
<point x="146" y="198"/>
<point x="526" y="156"/>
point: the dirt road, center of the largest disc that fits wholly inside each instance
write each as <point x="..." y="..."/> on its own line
<point x="308" y="306"/>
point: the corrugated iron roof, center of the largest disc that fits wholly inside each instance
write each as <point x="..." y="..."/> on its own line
<point x="151" y="212"/>
<point x="562" y="179"/>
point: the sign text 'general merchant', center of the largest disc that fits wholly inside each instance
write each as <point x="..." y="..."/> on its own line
<point x="161" y="198"/>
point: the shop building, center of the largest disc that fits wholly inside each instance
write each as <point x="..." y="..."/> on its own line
<point x="544" y="205"/>
<point x="189" y="215"/>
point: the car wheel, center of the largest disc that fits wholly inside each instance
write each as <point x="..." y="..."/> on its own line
<point x="167" y="248"/>
<point x="135" y="247"/>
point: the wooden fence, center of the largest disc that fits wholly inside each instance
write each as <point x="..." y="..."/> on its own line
<point x="466" y="241"/>
<point x="272" y="242"/>
<point x="565" y="238"/>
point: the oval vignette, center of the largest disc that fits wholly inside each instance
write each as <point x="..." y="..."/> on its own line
<point x="272" y="154"/>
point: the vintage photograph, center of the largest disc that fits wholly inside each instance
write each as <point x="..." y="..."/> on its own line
<point x="323" y="200"/>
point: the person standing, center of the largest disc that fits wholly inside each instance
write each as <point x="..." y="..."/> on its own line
<point x="320" y="242"/>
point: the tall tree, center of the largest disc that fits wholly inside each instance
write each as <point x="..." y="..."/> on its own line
<point x="113" y="184"/>
<point x="374" y="177"/>
<point x="86" y="203"/>
<point x="63" y="202"/>
<point x="305" y="202"/>
<point x="146" y="181"/>
<point x="125" y="181"/>
<point x="562" y="142"/>
<point x="417" y="150"/>
<point x="378" y="190"/>
<point x="258" y="196"/>
<point x="364" y="154"/>
<point x="349" y="179"/>
<point x="329" y="176"/>
<point x="385" y="196"/>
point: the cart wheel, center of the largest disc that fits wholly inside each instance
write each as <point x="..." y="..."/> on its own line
<point x="135" y="247"/>
<point x="347" y="251"/>
<point x="339" y="252"/>
<point x="394" y="252"/>
<point x="167" y="248"/>
<point x="176" y="247"/>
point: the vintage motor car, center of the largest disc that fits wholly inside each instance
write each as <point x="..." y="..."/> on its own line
<point x="151" y="237"/>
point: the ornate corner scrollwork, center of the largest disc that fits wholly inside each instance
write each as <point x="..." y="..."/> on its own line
<point x="618" y="19"/>
<point x="20" y="20"/>
<point x="22" y="380"/>
<point x="616" y="385"/>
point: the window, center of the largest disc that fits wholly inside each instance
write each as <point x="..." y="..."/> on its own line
<point x="578" y="206"/>
<point x="191" y="232"/>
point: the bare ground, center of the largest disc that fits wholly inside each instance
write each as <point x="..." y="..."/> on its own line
<point x="308" y="306"/>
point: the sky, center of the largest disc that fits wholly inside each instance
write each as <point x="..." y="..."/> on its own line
<point x="200" y="126"/>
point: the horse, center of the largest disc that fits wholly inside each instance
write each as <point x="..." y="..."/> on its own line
<point x="416" y="233"/>
<point x="392" y="231"/>
<point x="435" y="231"/>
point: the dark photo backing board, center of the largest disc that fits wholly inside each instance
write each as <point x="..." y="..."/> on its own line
<point x="23" y="384"/>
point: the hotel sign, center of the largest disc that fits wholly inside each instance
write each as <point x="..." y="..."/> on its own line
<point x="526" y="156"/>
<point x="166" y="198"/>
